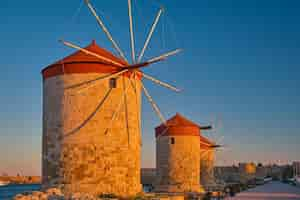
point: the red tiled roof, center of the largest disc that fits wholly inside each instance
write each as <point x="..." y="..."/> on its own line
<point x="205" y="142"/>
<point x="178" y="125"/>
<point x="80" y="62"/>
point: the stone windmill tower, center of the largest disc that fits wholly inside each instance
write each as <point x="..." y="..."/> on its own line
<point x="91" y="117"/>
<point x="207" y="159"/>
<point x="178" y="156"/>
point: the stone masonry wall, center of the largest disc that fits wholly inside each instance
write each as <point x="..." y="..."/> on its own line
<point x="178" y="164"/>
<point x="80" y="156"/>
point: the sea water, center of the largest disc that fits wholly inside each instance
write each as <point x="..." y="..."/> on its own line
<point x="9" y="191"/>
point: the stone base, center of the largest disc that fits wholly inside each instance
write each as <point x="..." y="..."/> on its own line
<point x="209" y="185"/>
<point x="179" y="189"/>
<point x="167" y="197"/>
<point x="55" y="193"/>
<point x="94" y="189"/>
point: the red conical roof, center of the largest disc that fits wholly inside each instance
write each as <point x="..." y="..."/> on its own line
<point x="80" y="62"/>
<point x="80" y="56"/>
<point x="178" y="125"/>
<point x="205" y="143"/>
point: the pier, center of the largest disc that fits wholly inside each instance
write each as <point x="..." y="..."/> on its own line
<point x="273" y="190"/>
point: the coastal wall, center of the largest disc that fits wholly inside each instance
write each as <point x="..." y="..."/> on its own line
<point x="177" y="164"/>
<point x="77" y="152"/>
<point x="21" y="179"/>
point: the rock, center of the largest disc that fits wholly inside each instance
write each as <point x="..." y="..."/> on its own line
<point x="177" y="197"/>
<point x="26" y="193"/>
<point x="80" y="196"/>
<point x="54" y="191"/>
<point x="75" y="196"/>
<point x="44" y="197"/>
<point x="34" y="197"/>
<point x="55" y="197"/>
<point x="22" y="197"/>
<point x="18" y="197"/>
<point x="37" y="193"/>
<point x="56" y="194"/>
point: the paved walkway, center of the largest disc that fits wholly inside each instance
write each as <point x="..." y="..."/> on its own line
<point x="273" y="190"/>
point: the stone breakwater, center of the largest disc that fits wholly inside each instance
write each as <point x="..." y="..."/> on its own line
<point x="57" y="194"/>
<point x="21" y="179"/>
<point x="53" y="194"/>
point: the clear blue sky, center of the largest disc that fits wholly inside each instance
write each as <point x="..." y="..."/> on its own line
<point x="240" y="67"/>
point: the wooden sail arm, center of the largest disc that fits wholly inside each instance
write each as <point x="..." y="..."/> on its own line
<point x="150" y="34"/>
<point x="97" y="109"/>
<point x="131" y="31"/>
<point x="166" y="85"/>
<point x="97" y="79"/>
<point x="204" y="153"/>
<point x="164" y="56"/>
<point x="105" y="30"/>
<point x="154" y="105"/>
<point x="157" y="111"/>
<point x="117" y="110"/>
<point x="153" y="60"/>
<point x="117" y="64"/>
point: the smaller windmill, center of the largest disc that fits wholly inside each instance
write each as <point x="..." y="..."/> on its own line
<point x="207" y="158"/>
<point x="212" y="143"/>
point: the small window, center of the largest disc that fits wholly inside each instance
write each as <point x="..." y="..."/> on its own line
<point x="113" y="83"/>
<point x="172" y="140"/>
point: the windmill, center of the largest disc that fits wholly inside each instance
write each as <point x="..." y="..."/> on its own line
<point x="215" y="138"/>
<point x="91" y="115"/>
<point x="207" y="158"/>
<point x="178" y="156"/>
<point x="122" y="68"/>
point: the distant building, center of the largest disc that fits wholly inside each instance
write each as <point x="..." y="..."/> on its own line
<point x="227" y="174"/>
<point x="261" y="171"/>
<point x="247" y="168"/>
<point x="296" y="168"/>
<point x="247" y="171"/>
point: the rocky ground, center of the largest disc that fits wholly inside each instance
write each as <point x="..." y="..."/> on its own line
<point x="56" y="194"/>
<point x="21" y="179"/>
<point x="53" y="194"/>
